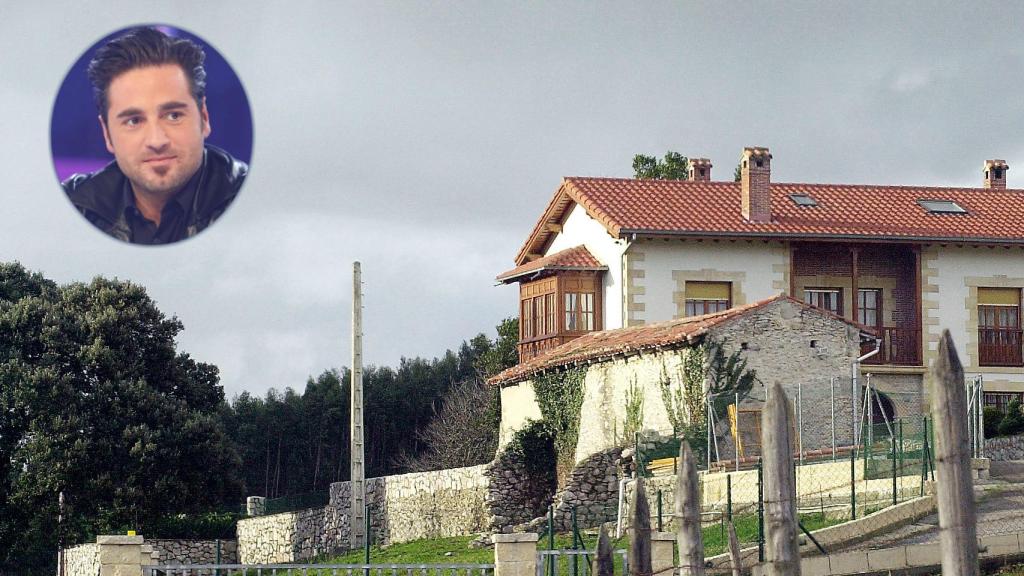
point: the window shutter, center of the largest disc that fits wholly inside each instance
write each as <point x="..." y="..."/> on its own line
<point x="999" y="296"/>
<point x="708" y="290"/>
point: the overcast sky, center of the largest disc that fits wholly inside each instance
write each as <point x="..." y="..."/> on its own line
<point x="425" y="139"/>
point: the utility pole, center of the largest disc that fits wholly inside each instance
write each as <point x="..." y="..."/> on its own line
<point x="357" y="507"/>
<point x="60" y="534"/>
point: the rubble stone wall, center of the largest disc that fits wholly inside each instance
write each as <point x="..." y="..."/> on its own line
<point x="1005" y="448"/>
<point x="402" y="508"/>
<point x="82" y="560"/>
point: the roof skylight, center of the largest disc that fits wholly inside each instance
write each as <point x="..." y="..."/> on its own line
<point x="942" y="207"/>
<point x="803" y="199"/>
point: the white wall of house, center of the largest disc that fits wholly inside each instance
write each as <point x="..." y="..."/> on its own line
<point x="957" y="272"/>
<point x="518" y="405"/>
<point x="579" y="228"/>
<point x="758" y="271"/>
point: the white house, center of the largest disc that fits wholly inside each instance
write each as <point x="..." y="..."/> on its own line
<point x="904" y="261"/>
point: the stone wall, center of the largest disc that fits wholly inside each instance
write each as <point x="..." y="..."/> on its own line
<point x="1005" y="448"/>
<point x="592" y="490"/>
<point x="513" y="498"/>
<point x="798" y="347"/>
<point x="82" y="560"/>
<point x="402" y="508"/>
<point x="195" y="551"/>
<point x="287" y="537"/>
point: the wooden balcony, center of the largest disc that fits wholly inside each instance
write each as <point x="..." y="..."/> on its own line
<point x="1000" y="347"/>
<point x="900" y="346"/>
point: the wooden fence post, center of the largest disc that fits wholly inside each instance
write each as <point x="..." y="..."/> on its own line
<point x="604" y="563"/>
<point x="782" y="552"/>
<point x="954" y="492"/>
<point x="687" y="508"/>
<point x="640" y="534"/>
<point x="734" y="551"/>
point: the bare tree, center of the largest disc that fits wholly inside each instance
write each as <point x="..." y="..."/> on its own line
<point x="463" y="432"/>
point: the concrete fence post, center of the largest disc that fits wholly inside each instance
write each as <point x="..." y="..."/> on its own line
<point x="122" y="555"/>
<point x="515" y="554"/>
<point x="255" y="506"/>
<point x="662" y="553"/>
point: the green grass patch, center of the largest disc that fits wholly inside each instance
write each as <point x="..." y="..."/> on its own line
<point x="456" y="550"/>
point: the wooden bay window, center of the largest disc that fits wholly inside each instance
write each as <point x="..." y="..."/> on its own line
<point x="556" y="309"/>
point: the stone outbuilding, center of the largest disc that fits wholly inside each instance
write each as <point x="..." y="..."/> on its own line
<point x="806" y="349"/>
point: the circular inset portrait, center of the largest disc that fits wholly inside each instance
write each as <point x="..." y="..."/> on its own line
<point x="151" y="135"/>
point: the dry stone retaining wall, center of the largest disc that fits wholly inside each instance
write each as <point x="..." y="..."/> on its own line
<point x="195" y="551"/>
<point x="512" y="497"/>
<point x="1005" y="448"/>
<point x="402" y="508"/>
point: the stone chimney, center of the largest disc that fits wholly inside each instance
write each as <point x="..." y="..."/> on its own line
<point x="995" y="174"/>
<point x="700" y="170"/>
<point x="755" y="182"/>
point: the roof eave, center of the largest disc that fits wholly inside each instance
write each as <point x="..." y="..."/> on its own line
<point x="981" y="240"/>
<point x="509" y="278"/>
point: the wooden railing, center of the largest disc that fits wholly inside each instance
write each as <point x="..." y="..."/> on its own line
<point x="1000" y="347"/>
<point x="900" y="346"/>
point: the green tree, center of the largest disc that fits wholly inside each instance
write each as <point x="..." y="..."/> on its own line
<point x="504" y="353"/>
<point x="97" y="403"/>
<point x="673" y="167"/>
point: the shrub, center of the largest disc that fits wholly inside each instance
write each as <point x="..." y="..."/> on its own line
<point x="993" y="416"/>
<point x="1013" y="421"/>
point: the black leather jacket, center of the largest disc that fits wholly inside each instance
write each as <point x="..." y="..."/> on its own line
<point x="103" y="196"/>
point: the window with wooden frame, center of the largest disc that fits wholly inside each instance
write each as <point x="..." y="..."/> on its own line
<point x="869" y="307"/>
<point x="707" y="297"/>
<point x="999" y="331"/>
<point x="550" y="324"/>
<point x="1001" y="400"/>
<point x="830" y="299"/>
<point x="526" y="319"/>
<point x="579" y="311"/>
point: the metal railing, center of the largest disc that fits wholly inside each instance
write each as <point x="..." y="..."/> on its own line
<point x="574" y="562"/>
<point x="320" y="570"/>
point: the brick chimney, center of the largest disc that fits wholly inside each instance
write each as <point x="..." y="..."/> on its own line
<point x="755" y="179"/>
<point x="995" y="174"/>
<point x="700" y="170"/>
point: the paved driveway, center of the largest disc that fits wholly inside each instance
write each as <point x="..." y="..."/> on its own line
<point x="1000" y="510"/>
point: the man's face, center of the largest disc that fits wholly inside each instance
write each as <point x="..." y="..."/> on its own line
<point x="154" y="128"/>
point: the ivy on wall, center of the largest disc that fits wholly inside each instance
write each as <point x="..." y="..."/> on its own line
<point x="560" y="397"/>
<point x="724" y="375"/>
<point x="634" y="410"/>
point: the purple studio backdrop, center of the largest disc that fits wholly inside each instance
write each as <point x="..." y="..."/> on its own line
<point x="76" y="139"/>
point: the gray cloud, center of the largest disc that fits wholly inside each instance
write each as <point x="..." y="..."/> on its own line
<point x="424" y="140"/>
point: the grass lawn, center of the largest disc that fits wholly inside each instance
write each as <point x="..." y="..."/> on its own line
<point x="456" y="550"/>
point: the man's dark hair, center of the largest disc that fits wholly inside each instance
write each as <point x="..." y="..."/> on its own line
<point x="143" y="47"/>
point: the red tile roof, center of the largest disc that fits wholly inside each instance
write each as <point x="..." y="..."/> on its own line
<point x="575" y="258"/>
<point x="636" y="339"/>
<point x="861" y="212"/>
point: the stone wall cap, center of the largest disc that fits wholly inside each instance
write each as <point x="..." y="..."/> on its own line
<point x="513" y="538"/>
<point x="662" y="536"/>
<point x="119" y="539"/>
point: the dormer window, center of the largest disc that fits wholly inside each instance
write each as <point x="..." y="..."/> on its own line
<point x="942" y="207"/>
<point x="803" y="200"/>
